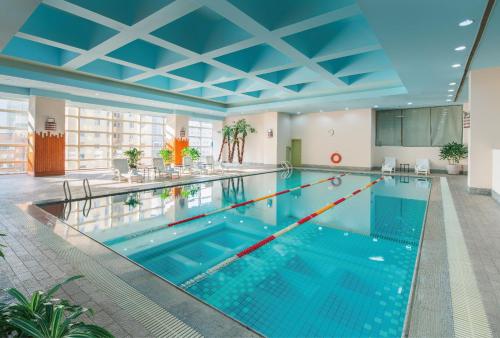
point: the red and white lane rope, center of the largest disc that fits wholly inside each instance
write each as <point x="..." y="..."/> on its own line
<point x="271" y="238"/>
<point x="237" y="205"/>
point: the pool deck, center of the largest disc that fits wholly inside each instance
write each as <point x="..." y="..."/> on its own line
<point x="132" y="302"/>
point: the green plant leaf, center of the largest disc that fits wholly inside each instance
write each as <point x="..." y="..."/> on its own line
<point x="18" y="296"/>
<point x="56" y="287"/>
<point x="26" y="326"/>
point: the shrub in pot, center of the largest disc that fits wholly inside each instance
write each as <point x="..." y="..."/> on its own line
<point x="166" y="155"/>
<point x="133" y="158"/>
<point x="453" y="152"/>
<point x="191" y="152"/>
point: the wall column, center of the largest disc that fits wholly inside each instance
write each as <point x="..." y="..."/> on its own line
<point x="46" y="148"/>
<point x="484" y="98"/>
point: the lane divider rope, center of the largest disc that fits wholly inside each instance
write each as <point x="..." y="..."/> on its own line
<point x="277" y="234"/>
<point x="233" y="206"/>
<point x="237" y="205"/>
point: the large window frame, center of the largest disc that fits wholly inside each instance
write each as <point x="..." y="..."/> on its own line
<point x="14" y="155"/>
<point x="393" y="127"/>
<point x="149" y="130"/>
<point x="201" y="136"/>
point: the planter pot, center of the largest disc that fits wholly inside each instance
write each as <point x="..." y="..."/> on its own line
<point x="454" y="169"/>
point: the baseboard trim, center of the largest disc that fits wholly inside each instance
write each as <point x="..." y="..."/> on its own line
<point x="479" y="191"/>
<point x="495" y="195"/>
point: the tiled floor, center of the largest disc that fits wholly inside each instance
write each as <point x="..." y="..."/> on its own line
<point x="33" y="264"/>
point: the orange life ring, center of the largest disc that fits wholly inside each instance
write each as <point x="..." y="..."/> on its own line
<point x="336" y="158"/>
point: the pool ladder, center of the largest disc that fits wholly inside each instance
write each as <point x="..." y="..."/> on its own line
<point x="67" y="190"/>
<point x="287" y="169"/>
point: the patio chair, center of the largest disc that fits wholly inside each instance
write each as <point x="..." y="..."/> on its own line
<point x="422" y="166"/>
<point x="161" y="169"/>
<point x="121" y="170"/>
<point x="209" y="163"/>
<point x="187" y="164"/>
<point x="389" y="165"/>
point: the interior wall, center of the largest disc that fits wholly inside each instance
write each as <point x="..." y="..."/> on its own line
<point x="259" y="147"/>
<point x="352" y="137"/>
<point x="484" y="99"/>
<point x="283" y="135"/>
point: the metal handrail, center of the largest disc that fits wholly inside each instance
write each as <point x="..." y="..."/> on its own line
<point x="67" y="191"/>
<point x="86" y="188"/>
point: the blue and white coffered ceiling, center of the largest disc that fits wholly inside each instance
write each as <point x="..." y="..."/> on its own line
<point x="243" y="55"/>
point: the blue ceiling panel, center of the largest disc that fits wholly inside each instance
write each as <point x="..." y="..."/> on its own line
<point x="291" y="76"/>
<point x="279" y="13"/>
<point x="203" y="92"/>
<point x="297" y="87"/>
<point x="341" y="36"/>
<point x="255" y="58"/>
<point x="202" y="31"/>
<point x="38" y="52"/>
<point x="357" y="64"/>
<point x="146" y="54"/>
<point x="163" y="82"/>
<point x="109" y="69"/>
<point x="255" y="93"/>
<point x="128" y="12"/>
<point x="389" y="76"/>
<point x="242" y="85"/>
<point x="54" y="24"/>
<point x="203" y="72"/>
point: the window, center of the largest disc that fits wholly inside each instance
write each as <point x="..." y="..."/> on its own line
<point x="200" y="136"/>
<point x="421" y="127"/>
<point x="13" y="135"/>
<point x="94" y="137"/>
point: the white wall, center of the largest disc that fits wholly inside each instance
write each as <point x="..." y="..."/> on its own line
<point x="409" y="155"/>
<point x="259" y="148"/>
<point x="42" y="108"/>
<point x="352" y="137"/>
<point x="484" y="99"/>
<point x="283" y="135"/>
<point x="495" y="180"/>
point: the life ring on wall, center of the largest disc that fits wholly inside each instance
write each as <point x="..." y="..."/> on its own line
<point x="336" y="158"/>
<point x="336" y="182"/>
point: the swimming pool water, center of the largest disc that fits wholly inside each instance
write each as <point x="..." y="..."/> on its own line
<point x="346" y="273"/>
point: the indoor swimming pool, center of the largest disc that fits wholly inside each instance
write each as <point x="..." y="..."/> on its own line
<point x="347" y="271"/>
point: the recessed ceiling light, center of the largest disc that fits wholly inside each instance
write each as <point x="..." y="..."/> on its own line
<point x="410" y="103"/>
<point x="456" y="65"/>
<point x="450" y="95"/>
<point x="466" y="23"/>
<point x="452" y="83"/>
<point x="460" y="48"/>
<point x="451" y="90"/>
<point x="375" y="106"/>
<point x="321" y="110"/>
<point x="298" y="113"/>
<point x="346" y="108"/>
<point x="448" y="100"/>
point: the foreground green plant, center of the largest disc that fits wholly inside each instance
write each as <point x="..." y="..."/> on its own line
<point x="166" y="154"/>
<point x="43" y="316"/>
<point x="2" y="246"/>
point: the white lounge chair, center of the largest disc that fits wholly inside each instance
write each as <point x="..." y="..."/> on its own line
<point x="209" y="163"/>
<point x="161" y="169"/>
<point x="187" y="164"/>
<point x="422" y="166"/>
<point x="121" y="170"/>
<point x="389" y="165"/>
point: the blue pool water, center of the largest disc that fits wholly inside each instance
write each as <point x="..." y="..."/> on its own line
<point x="346" y="273"/>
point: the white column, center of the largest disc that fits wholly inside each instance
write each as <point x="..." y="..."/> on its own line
<point x="484" y="99"/>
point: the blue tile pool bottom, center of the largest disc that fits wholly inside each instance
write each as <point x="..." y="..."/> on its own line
<point x="346" y="273"/>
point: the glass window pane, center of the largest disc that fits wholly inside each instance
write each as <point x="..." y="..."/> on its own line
<point x="12" y="167"/>
<point x="12" y="153"/>
<point x="71" y="153"/>
<point x="194" y="132"/>
<point x="71" y="138"/>
<point x="94" y="153"/>
<point x="194" y="142"/>
<point x="71" y="123"/>
<point x="388" y="128"/>
<point x="156" y="129"/>
<point x="152" y="140"/>
<point x="71" y="165"/>
<point x="94" y="164"/>
<point x="21" y="105"/>
<point x="206" y="125"/>
<point x="13" y="136"/>
<point x="194" y="123"/>
<point x="206" y="142"/>
<point x="446" y="125"/>
<point x="73" y="111"/>
<point x="13" y="120"/>
<point x="95" y="113"/>
<point x="416" y="127"/>
<point x="94" y="125"/>
<point x="206" y="132"/>
<point x="94" y="138"/>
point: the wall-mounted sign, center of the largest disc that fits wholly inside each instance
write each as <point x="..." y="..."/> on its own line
<point x="50" y="124"/>
<point x="331" y="132"/>
<point x="466" y="119"/>
<point x="182" y="132"/>
<point x="269" y="133"/>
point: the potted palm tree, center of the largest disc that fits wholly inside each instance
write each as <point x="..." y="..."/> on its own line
<point x="453" y="152"/>
<point x="133" y="158"/>
<point x="244" y="128"/>
<point x="191" y="152"/>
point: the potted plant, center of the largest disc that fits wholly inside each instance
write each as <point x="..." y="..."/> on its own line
<point x="191" y="152"/>
<point x="453" y="152"/>
<point x="133" y="158"/>
<point x="166" y="155"/>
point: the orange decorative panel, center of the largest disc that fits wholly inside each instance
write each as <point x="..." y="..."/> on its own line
<point x="178" y="144"/>
<point x="46" y="154"/>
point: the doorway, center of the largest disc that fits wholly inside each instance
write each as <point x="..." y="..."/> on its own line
<point x="296" y="152"/>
